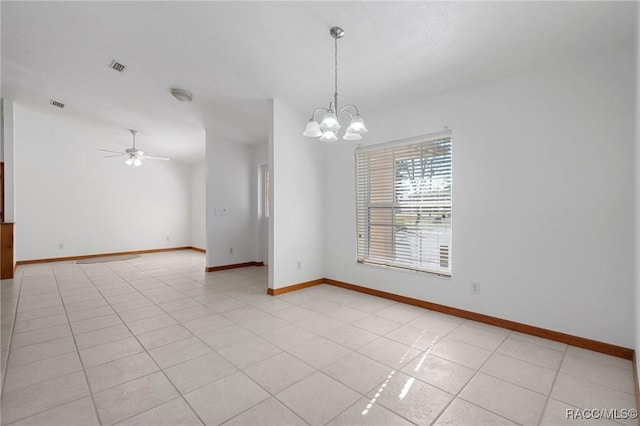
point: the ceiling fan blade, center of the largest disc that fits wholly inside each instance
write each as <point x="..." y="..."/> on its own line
<point x="113" y="152"/>
<point x="112" y="156"/>
<point x="151" y="157"/>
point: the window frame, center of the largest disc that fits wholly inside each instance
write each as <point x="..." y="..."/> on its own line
<point x="364" y="208"/>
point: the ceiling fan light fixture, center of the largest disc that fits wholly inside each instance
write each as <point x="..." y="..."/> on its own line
<point x="182" y="95"/>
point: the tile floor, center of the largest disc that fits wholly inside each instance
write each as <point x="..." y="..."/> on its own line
<point x="156" y="341"/>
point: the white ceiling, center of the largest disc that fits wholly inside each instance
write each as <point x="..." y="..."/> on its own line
<point x="234" y="56"/>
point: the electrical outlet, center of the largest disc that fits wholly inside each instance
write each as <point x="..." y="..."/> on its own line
<point x="230" y="250"/>
<point x="168" y="238"/>
<point x="475" y="287"/>
<point x="299" y="264"/>
<point x="61" y="246"/>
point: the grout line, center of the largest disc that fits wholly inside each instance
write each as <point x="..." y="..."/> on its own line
<point x="84" y="371"/>
<point x="13" y="326"/>
<point x="555" y="378"/>
<point x="152" y="359"/>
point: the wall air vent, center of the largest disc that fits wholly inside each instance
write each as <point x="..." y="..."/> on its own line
<point x="56" y="104"/>
<point x="117" y="66"/>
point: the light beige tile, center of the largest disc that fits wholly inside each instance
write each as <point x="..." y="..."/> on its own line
<point x="421" y="339"/>
<point x="249" y="352"/>
<point x="294" y="313"/>
<point x="319" y="352"/>
<point x="40" y="351"/>
<point x="461" y="353"/>
<point x="269" y="412"/>
<point x="508" y="400"/>
<point x="88" y="304"/>
<point x="141" y="313"/>
<point x="376" y="414"/>
<point x="172" y="413"/>
<point x="319" y="305"/>
<point x="232" y="395"/>
<point x="40" y="371"/>
<point x="123" y="307"/>
<point x="96" y="355"/>
<point x="242" y="313"/>
<point x="225" y="305"/>
<point x="278" y="372"/>
<point x="37" y="313"/>
<point x="40" y="336"/>
<point x="134" y="397"/>
<point x="264" y="324"/>
<point x="436" y="323"/>
<point x="477" y="336"/>
<point x="180" y="351"/>
<point x="204" y="324"/>
<point x="163" y="336"/>
<point x="603" y="373"/>
<point x="400" y="312"/>
<point x="389" y="352"/>
<point x="95" y="323"/>
<point x="104" y="335"/>
<point x="198" y="372"/>
<point x="439" y="372"/>
<point x="80" y="412"/>
<point x="597" y="356"/>
<point x="150" y="324"/>
<point x="36" y="324"/>
<point x="377" y="324"/>
<point x="179" y="304"/>
<point x="226" y="336"/>
<point x="583" y="393"/>
<point x="531" y="376"/>
<point x="550" y="344"/>
<point x="90" y="313"/>
<point x="318" y="398"/>
<point x="350" y="336"/>
<point x="192" y="313"/>
<point x="410" y="398"/>
<point x="558" y="413"/>
<point x="536" y="354"/>
<point x="462" y="413"/>
<point x="358" y="372"/>
<point x="371" y="304"/>
<point x="121" y="370"/>
<point x="319" y="324"/>
<point x="288" y="336"/>
<point x="37" y="398"/>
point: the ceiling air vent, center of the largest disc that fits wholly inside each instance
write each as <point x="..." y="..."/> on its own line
<point x="117" y="66"/>
<point x="56" y="104"/>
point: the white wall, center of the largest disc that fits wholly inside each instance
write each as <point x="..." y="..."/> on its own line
<point x="66" y="193"/>
<point x="542" y="198"/>
<point x="231" y="192"/>
<point x="297" y="194"/>
<point x="198" y="205"/>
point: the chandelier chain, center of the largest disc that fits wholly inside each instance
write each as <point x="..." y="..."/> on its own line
<point x="335" y="94"/>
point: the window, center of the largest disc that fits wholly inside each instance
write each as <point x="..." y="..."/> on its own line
<point x="403" y="201"/>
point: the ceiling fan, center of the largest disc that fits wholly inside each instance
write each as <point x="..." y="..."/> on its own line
<point x="133" y="156"/>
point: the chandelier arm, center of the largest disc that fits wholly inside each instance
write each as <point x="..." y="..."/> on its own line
<point x="346" y="109"/>
<point x="313" y="114"/>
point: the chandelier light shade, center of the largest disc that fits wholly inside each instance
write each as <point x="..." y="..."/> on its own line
<point x="328" y="128"/>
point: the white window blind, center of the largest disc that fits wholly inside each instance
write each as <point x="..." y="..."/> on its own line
<point x="403" y="192"/>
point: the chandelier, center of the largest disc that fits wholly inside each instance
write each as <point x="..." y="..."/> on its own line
<point x="328" y="128"/>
